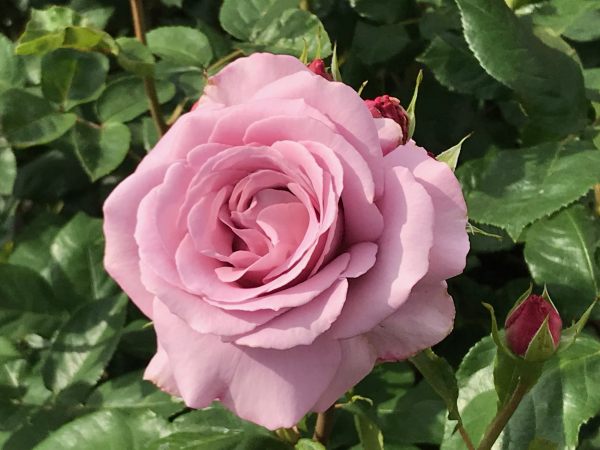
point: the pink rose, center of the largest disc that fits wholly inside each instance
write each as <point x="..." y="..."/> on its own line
<point x="277" y="251"/>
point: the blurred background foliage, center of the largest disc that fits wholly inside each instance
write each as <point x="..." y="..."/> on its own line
<point x="522" y="76"/>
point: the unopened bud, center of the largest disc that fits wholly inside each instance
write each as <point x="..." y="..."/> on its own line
<point x="390" y="108"/>
<point x="533" y="328"/>
<point x="318" y="67"/>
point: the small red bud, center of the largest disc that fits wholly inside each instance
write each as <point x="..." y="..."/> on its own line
<point x="318" y="67"/>
<point x="390" y="107"/>
<point x="523" y="323"/>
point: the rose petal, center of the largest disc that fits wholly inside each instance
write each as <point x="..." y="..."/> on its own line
<point x="300" y="325"/>
<point x="451" y="243"/>
<point x="390" y="134"/>
<point x="273" y="388"/>
<point x="397" y="337"/>
<point x="159" y="372"/>
<point x="402" y="258"/>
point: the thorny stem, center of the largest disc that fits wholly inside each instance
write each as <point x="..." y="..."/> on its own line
<point x="502" y="417"/>
<point x="137" y="13"/>
<point x="324" y="426"/>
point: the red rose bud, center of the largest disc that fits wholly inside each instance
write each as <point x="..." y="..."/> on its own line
<point x="524" y="322"/>
<point x="318" y="67"/>
<point x="390" y="108"/>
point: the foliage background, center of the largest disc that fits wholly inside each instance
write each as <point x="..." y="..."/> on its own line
<point x="523" y="77"/>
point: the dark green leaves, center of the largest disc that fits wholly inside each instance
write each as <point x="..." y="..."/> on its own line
<point x="277" y="26"/>
<point x="8" y="170"/>
<point x="376" y="44"/>
<point x="560" y="252"/>
<point x="84" y="344"/>
<point x="548" y="82"/>
<point x="11" y="66"/>
<point x="29" y="120"/>
<point x="125" y="99"/>
<point x="135" y="57"/>
<point x="71" y="77"/>
<point x="56" y="27"/>
<point x="100" y="148"/>
<point x="564" y="398"/>
<point x="77" y="252"/>
<point x="28" y="304"/>
<point x="180" y="45"/>
<point x="513" y="188"/>
<point x="454" y="66"/>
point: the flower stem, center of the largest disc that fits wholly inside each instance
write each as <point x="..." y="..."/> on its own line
<point x="137" y="13"/>
<point x="502" y="417"/>
<point x="324" y="426"/>
<point x="224" y="60"/>
<point x="465" y="436"/>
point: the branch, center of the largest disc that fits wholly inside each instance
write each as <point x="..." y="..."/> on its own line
<point x="137" y="13"/>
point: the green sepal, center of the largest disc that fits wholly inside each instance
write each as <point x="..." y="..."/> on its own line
<point x="412" y="106"/>
<point x="450" y="156"/>
<point x="569" y="335"/>
<point x="521" y="299"/>
<point x="335" y="65"/>
<point x="496" y="335"/>
<point x="472" y="229"/>
<point x="541" y="346"/>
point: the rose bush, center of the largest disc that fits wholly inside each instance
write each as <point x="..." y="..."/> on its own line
<point x="278" y="251"/>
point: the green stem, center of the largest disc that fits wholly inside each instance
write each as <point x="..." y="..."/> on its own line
<point x="502" y="417"/>
<point x="324" y="426"/>
<point x="137" y="13"/>
<point x="465" y="436"/>
<point x="224" y="60"/>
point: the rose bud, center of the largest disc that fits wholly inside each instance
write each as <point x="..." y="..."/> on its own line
<point x="525" y="325"/>
<point x="390" y="108"/>
<point x="318" y="67"/>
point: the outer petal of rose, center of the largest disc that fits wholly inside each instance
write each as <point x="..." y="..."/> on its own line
<point x="451" y="243"/>
<point x="397" y="337"/>
<point x="240" y="80"/>
<point x="160" y="373"/>
<point x="358" y="358"/>
<point x="121" y="258"/>
<point x="273" y="388"/>
<point x="390" y="134"/>
<point x="342" y="105"/>
<point x="301" y="325"/>
<point x="402" y="258"/>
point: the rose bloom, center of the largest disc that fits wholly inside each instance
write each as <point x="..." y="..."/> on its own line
<point x="283" y="243"/>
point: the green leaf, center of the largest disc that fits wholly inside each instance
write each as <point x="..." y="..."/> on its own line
<point x="71" y="77"/>
<point x="58" y="26"/>
<point x="288" y="33"/>
<point x="277" y="26"/>
<point x="106" y="430"/>
<point x="28" y="304"/>
<point x="376" y="44"/>
<point x="180" y="45"/>
<point x="564" y="398"/>
<point x="12" y="71"/>
<point x="28" y="120"/>
<point x="8" y="170"/>
<point x="309" y="444"/>
<point x="125" y="99"/>
<point x="548" y="82"/>
<point x="455" y="67"/>
<point x="439" y="374"/>
<point x="513" y="188"/>
<point x="85" y="344"/>
<point x="369" y="433"/>
<point x="77" y="253"/>
<point x="384" y="11"/>
<point x="8" y="351"/>
<point x="575" y="20"/>
<point x="100" y="149"/>
<point x="135" y="57"/>
<point x="451" y="155"/>
<point x="559" y="251"/>
<point x="242" y="18"/>
<point x="131" y="393"/>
